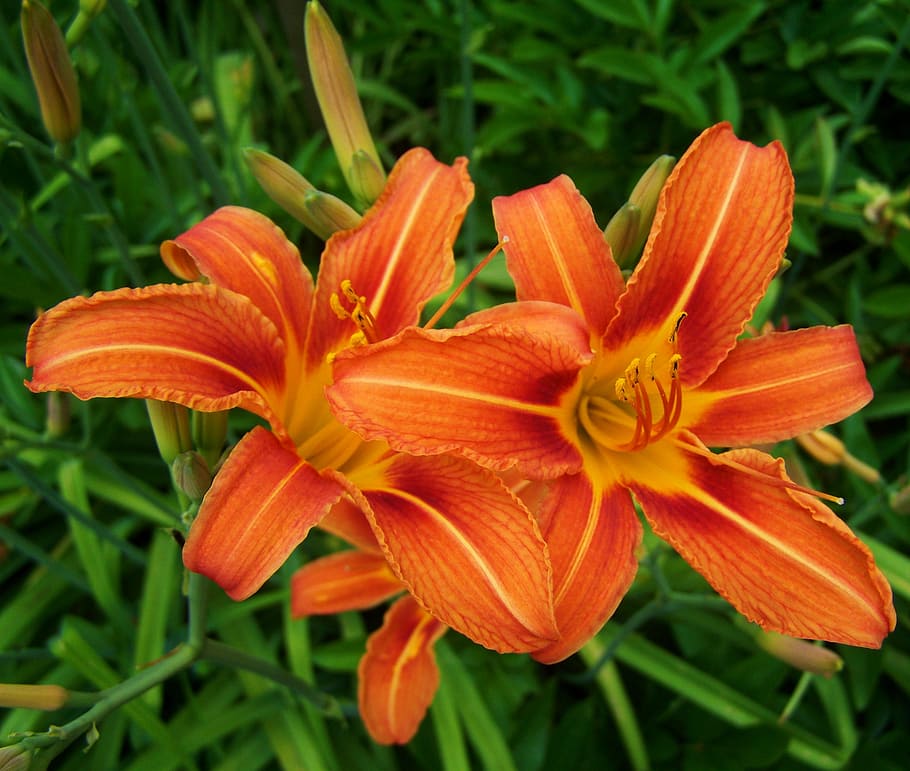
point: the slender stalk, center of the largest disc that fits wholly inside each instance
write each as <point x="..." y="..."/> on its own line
<point x="469" y="229"/>
<point x="796" y="697"/>
<point x="617" y="699"/>
<point x="212" y="650"/>
<point x="182" y="657"/>
<point x="171" y="102"/>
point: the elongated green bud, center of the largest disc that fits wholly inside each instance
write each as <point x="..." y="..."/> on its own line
<point x="46" y="697"/>
<point x="801" y="654"/>
<point x="322" y="213"/>
<point x="171" y="426"/>
<point x="644" y="196"/>
<point x="828" y="449"/>
<point x="209" y="434"/>
<point x="52" y="72"/>
<point x="621" y="233"/>
<point x="341" y="109"/>
<point x="88" y="10"/>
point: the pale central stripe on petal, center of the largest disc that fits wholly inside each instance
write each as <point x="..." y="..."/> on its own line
<point x="559" y="260"/>
<point x="395" y="255"/>
<point x="686" y="292"/>
<point x="178" y="353"/>
<point x="463" y="393"/>
<point x="475" y="556"/>
<point x="796" y="555"/>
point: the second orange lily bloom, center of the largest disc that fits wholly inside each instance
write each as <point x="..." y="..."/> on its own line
<point x="251" y="330"/>
<point x="608" y="389"/>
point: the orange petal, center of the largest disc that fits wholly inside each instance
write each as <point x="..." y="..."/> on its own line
<point x="465" y="547"/>
<point x="348" y="522"/>
<point x="498" y="395"/>
<point x="348" y="580"/>
<point x="398" y="676"/>
<point x="261" y="506"/>
<point x="199" y="346"/>
<point x="780" y="557"/>
<point x="779" y="385"/>
<point x="243" y="250"/>
<point x="399" y="256"/>
<point x="557" y="252"/>
<point x="538" y="318"/>
<point x="592" y="533"/>
<point x="720" y="231"/>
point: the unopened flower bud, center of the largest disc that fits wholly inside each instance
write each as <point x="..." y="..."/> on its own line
<point x="46" y="697"/>
<point x="645" y="196"/>
<point x="52" y="72"/>
<point x="365" y="175"/>
<point x="322" y="213"/>
<point x="801" y="654"/>
<point x="342" y="112"/>
<point x="88" y="10"/>
<point x="192" y="475"/>
<point x="900" y="500"/>
<point x="828" y="449"/>
<point x="330" y="214"/>
<point x="57" y="422"/>
<point x="15" y="757"/>
<point x="171" y="426"/>
<point x="210" y="434"/>
<point x="621" y="233"/>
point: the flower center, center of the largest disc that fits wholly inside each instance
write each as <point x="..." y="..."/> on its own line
<point x="359" y="314"/>
<point x="645" y="403"/>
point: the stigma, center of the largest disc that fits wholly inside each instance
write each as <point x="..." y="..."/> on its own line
<point x="359" y="313"/>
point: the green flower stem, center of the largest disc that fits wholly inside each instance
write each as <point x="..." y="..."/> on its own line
<point x="196" y="647"/>
<point x="170" y="101"/>
<point x="218" y="652"/>
<point x="796" y="697"/>
<point x="719" y="699"/>
<point x="197" y="601"/>
<point x="617" y="699"/>
<point x="112" y="698"/>
<point x="469" y="229"/>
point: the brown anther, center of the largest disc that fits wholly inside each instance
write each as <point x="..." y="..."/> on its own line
<point x="675" y="333"/>
<point x="359" y="313"/>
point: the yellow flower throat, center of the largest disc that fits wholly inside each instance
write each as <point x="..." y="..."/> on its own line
<point x="644" y="404"/>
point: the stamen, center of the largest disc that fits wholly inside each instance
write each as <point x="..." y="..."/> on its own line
<point x="450" y="300"/>
<point x="636" y="391"/>
<point x="359" y="313"/>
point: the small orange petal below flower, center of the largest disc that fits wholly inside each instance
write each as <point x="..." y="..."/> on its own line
<point x="398" y="674"/>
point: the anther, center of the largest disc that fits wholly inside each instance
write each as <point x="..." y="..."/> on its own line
<point x="657" y="400"/>
<point x="675" y="333"/>
<point x="359" y="313"/>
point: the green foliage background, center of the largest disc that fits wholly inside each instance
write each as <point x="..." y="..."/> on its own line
<point x="596" y="89"/>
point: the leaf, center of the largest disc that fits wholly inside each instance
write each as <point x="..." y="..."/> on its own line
<point x="728" y="102"/>
<point x="634" y="66"/>
<point x="890" y="302"/>
<point x="722" y="33"/>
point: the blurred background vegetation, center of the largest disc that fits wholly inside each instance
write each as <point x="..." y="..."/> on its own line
<point x="173" y="91"/>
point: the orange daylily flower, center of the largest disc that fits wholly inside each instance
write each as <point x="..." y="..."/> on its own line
<point x="611" y="389"/>
<point x="260" y="336"/>
<point x="397" y="676"/>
